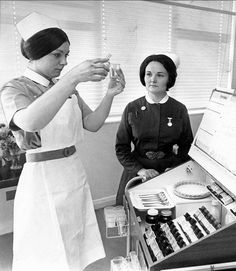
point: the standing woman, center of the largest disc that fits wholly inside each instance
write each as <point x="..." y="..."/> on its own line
<point x="155" y="132"/>
<point x="55" y="226"/>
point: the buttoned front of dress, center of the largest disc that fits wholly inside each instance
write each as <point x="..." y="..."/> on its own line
<point x="156" y="128"/>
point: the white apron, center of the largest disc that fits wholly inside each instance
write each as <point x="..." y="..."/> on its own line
<point x="55" y="227"/>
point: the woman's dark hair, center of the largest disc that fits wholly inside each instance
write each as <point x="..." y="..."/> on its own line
<point x="43" y="43"/>
<point x="168" y="64"/>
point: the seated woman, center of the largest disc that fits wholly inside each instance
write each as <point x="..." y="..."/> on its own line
<point x="155" y="132"/>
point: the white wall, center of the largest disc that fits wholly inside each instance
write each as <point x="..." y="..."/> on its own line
<point x="101" y="164"/>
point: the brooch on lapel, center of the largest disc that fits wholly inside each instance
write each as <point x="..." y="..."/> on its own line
<point x="143" y="108"/>
<point x="169" y="122"/>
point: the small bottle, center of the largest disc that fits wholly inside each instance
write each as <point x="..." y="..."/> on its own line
<point x="215" y="210"/>
<point x="113" y="70"/>
<point x="152" y="216"/>
<point x="165" y="216"/>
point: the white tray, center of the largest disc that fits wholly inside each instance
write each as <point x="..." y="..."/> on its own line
<point x="153" y="198"/>
<point x="191" y="190"/>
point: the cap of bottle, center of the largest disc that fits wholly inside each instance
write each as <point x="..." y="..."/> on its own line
<point x="166" y="213"/>
<point x="152" y="216"/>
<point x="152" y="212"/>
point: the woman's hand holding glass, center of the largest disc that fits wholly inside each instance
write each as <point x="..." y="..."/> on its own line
<point x="91" y="70"/>
<point x="117" y="83"/>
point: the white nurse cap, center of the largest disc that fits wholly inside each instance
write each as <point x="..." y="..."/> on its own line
<point x="174" y="57"/>
<point x="34" y="23"/>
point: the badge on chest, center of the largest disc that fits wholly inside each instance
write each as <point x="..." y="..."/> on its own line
<point x="169" y="123"/>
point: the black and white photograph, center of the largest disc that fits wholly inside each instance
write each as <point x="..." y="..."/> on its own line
<point x="118" y="135"/>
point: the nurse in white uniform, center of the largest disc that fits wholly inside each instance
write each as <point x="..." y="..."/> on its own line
<point x="55" y="226"/>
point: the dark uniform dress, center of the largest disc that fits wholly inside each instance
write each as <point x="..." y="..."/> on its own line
<point x="152" y="127"/>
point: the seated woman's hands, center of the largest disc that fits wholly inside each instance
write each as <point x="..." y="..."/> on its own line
<point x="147" y="174"/>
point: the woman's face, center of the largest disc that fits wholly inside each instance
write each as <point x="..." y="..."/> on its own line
<point x="156" y="77"/>
<point x="51" y="65"/>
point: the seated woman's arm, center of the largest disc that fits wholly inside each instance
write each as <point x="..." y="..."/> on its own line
<point x="123" y="145"/>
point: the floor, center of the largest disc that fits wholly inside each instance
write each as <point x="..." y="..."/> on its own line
<point x="113" y="247"/>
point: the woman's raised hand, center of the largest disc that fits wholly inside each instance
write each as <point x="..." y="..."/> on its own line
<point x="96" y="70"/>
<point x="116" y="84"/>
<point x="90" y="70"/>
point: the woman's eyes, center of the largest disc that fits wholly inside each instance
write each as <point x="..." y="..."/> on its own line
<point x="158" y="75"/>
<point x="58" y="55"/>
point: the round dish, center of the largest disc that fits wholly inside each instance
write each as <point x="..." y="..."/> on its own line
<point x="191" y="190"/>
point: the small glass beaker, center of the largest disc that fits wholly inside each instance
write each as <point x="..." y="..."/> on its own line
<point x="113" y="70"/>
<point x="118" y="264"/>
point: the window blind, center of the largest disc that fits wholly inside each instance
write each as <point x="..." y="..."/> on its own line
<point x="200" y="35"/>
<point x="198" y="31"/>
<point x="81" y="20"/>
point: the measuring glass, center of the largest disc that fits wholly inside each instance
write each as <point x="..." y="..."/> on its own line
<point x="113" y="70"/>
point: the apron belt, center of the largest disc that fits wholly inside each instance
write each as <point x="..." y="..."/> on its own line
<point x="50" y="155"/>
